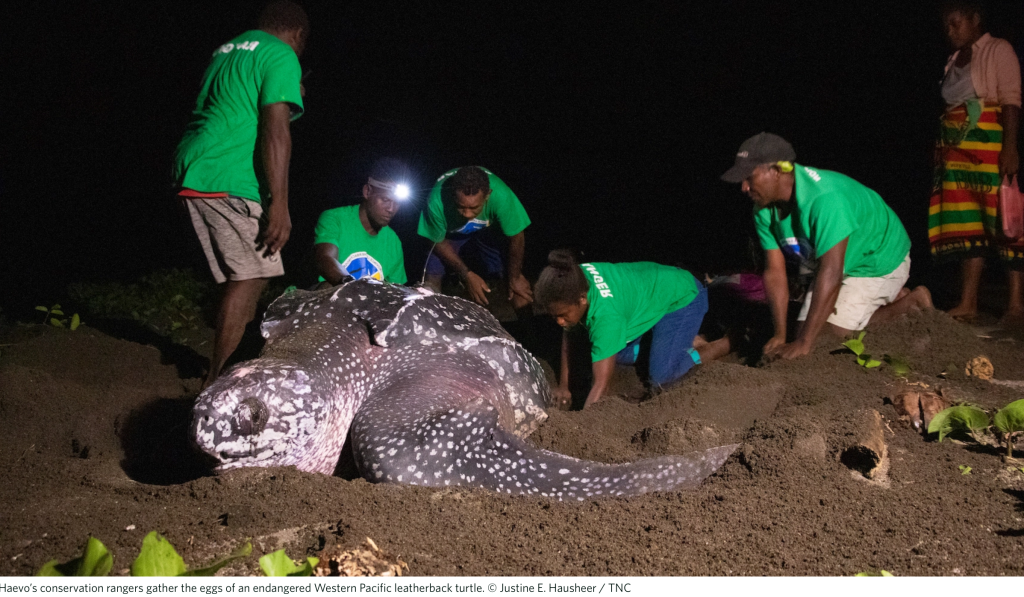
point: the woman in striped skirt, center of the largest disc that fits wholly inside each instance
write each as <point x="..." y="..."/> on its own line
<point x="977" y="147"/>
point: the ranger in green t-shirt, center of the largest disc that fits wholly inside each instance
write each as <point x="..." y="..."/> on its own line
<point x="620" y="303"/>
<point x="251" y="90"/>
<point x="830" y="223"/>
<point x="462" y="211"/>
<point x="355" y="241"/>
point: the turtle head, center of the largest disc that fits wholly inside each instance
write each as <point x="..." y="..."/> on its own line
<point x="265" y="413"/>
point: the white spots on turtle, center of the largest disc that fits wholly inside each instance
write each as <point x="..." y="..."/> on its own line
<point x="383" y="375"/>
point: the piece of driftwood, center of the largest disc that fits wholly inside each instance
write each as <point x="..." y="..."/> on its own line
<point x="918" y="408"/>
<point x="867" y="452"/>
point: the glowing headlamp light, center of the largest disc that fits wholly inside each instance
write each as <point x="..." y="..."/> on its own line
<point x="399" y="190"/>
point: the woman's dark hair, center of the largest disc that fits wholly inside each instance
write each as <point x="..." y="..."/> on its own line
<point x="968" y="8"/>
<point x="562" y="281"/>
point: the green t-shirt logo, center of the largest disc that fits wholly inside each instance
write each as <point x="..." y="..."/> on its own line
<point x="599" y="282"/>
<point x="362" y="265"/>
<point x="245" y="45"/>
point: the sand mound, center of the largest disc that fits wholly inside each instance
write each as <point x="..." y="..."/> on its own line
<point x="93" y="443"/>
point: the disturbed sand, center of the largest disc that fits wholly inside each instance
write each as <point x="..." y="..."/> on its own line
<point x="94" y="443"/>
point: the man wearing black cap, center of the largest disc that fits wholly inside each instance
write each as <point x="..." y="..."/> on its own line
<point x="833" y="225"/>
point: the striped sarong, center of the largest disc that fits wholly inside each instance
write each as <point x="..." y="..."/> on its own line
<point x="963" y="214"/>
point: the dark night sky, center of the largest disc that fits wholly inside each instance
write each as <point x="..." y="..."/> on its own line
<point x="612" y="124"/>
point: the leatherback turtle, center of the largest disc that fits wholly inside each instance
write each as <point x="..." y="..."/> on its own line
<point x="430" y="388"/>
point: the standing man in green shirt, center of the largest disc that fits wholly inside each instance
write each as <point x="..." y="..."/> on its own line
<point x="251" y="90"/>
<point x="355" y="241"/>
<point x="832" y="224"/>
<point x="462" y="208"/>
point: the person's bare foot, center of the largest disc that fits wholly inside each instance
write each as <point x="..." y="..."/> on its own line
<point x="921" y="297"/>
<point x="903" y="293"/>
<point x="963" y="313"/>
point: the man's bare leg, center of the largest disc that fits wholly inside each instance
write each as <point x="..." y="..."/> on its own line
<point x="907" y="301"/>
<point x="970" y="282"/>
<point x="237" y="309"/>
<point x="918" y="299"/>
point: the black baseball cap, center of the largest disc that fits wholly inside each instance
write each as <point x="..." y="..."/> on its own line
<point x="762" y="148"/>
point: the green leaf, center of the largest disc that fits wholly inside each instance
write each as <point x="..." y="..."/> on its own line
<point x="872" y="573"/>
<point x="856" y="346"/>
<point x="900" y="365"/>
<point x="157" y="558"/>
<point x="176" y="325"/>
<point x="95" y="561"/>
<point x="211" y="569"/>
<point x="56" y="312"/>
<point x="279" y="564"/>
<point x="75" y="322"/>
<point x="57" y="306"/>
<point x="965" y="470"/>
<point x="56" y="322"/>
<point x="963" y="417"/>
<point x="1010" y="418"/>
<point x="44" y="310"/>
<point x="50" y="569"/>
<point x="865" y="360"/>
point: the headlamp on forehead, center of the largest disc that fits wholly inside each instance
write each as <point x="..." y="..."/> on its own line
<point x="398" y="190"/>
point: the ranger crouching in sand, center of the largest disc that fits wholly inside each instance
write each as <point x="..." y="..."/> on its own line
<point x="831" y="223"/>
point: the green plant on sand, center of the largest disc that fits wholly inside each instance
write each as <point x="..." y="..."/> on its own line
<point x="51" y="316"/>
<point x="279" y="564"/>
<point x="856" y="346"/>
<point x="899" y="364"/>
<point x="156" y="558"/>
<point x="964" y="417"/>
<point x="1009" y="420"/>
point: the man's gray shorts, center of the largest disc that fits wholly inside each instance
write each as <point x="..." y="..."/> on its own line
<point x="228" y="230"/>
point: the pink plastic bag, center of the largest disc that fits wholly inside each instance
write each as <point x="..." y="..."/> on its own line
<point x="1011" y="208"/>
